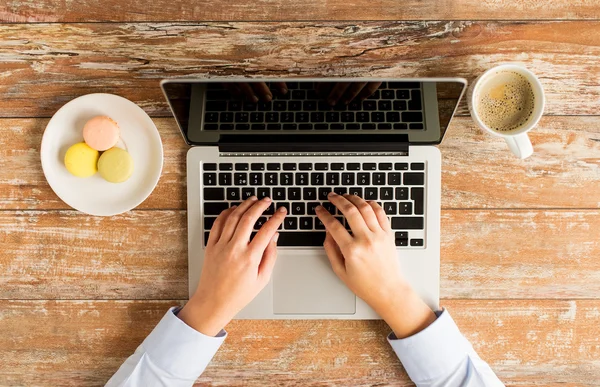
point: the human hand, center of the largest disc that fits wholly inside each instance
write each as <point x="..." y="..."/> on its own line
<point x="255" y="91"/>
<point x="235" y="269"/>
<point x="334" y="92"/>
<point x="367" y="263"/>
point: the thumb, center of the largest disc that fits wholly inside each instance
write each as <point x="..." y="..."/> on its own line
<point x="336" y="258"/>
<point x="269" y="257"/>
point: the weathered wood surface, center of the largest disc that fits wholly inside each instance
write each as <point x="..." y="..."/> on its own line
<point x="478" y="170"/>
<point x="46" y="65"/>
<point x="143" y="255"/>
<point x="21" y="11"/>
<point x="74" y="343"/>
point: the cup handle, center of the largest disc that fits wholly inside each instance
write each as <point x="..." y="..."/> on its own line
<point x="520" y="145"/>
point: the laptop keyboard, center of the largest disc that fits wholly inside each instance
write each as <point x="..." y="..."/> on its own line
<point x="300" y="187"/>
<point x="394" y="106"/>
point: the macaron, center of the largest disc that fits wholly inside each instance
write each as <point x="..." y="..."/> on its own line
<point x="81" y="160"/>
<point x="115" y="165"/>
<point x="101" y="133"/>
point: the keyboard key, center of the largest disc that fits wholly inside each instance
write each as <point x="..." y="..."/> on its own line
<point x="265" y="106"/>
<point x="273" y="167"/>
<point x="206" y="235"/>
<point x="305" y="167"/>
<point x="347" y="117"/>
<point x="340" y="190"/>
<point x="211" y="126"/>
<point x="225" y="179"/>
<point x="324" y="193"/>
<point x="270" y="178"/>
<point x="290" y="126"/>
<point x="337" y="166"/>
<point x="402" y="94"/>
<point x="294" y="194"/>
<point x="378" y="178"/>
<point x="333" y="178"/>
<point x="287" y="117"/>
<point x="216" y="106"/>
<point x="235" y="106"/>
<point x="262" y="193"/>
<point x="274" y="126"/>
<point x="298" y="208"/>
<point x="257" y="166"/>
<point x="317" y="178"/>
<point x="209" y="167"/>
<point x="240" y="178"/>
<point x="233" y="194"/>
<point x="401" y="242"/>
<point x="210" y="179"/>
<point x="416" y="126"/>
<point x="363" y="117"/>
<point x="302" y="178"/>
<point x="416" y="242"/>
<point x="408" y="223"/>
<point x="242" y="127"/>
<point x="290" y="223"/>
<point x="310" y="208"/>
<point x="390" y="208"/>
<point x="255" y="179"/>
<point x="214" y="208"/>
<point x="289" y="166"/>
<point x="353" y="126"/>
<point x="270" y="210"/>
<point x="401" y="126"/>
<point x="295" y="106"/>
<point x="278" y="193"/>
<point x="242" y="117"/>
<point x="319" y="226"/>
<point x="301" y="238"/>
<point x="214" y="194"/>
<point x="249" y="106"/>
<point x="348" y="179"/>
<point x="417" y="166"/>
<point x="279" y="105"/>
<point x="401" y="193"/>
<point x="211" y="117"/>
<point x="287" y="178"/>
<point x="377" y="117"/>
<point x="353" y="166"/>
<point x="417" y="195"/>
<point x="394" y="178"/>
<point x="369" y="105"/>
<point x="321" y="167"/>
<point x="305" y="126"/>
<point x="387" y="94"/>
<point x="302" y="117"/>
<point x="332" y="117"/>
<point x="226" y="166"/>
<point x="286" y="205"/>
<point x="400" y="106"/>
<point x="257" y="117"/>
<point x="226" y="117"/>
<point x="309" y="194"/>
<point x="385" y="166"/>
<point x="370" y="193"/>
<point x="405" y="208"/>
<point x="386" y="193"/>
<point x="412" y="116"/>
<point x="401" y="235"/>
<point x="330" y="207"/>
<point x="414" y="178"/>
<point x="310" y="106"/>
<point x="415" y="100"/>
<point x="384" y="126"/>
<point x="369" y="166"/>
<point x="272" y="117"/>
<point x="247" y="192"/>
<point x="336" y="126"/>
<point x="357" y="191"/>
<point x="401" y="166"/>
<point x="258" y="127"/>
<point x="260" y="222"/>
<point x="226" y="127"/>
<point x="241" y="167"/>
<point x="209" y="221"/>
<point x="363" y="178"/>
<point x="306" y="223"/>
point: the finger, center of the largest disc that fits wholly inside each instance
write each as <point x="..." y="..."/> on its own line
<point x="366" y="211"/>
<point x="281" y="87"/>
<point x="333" y="226"/>
<point x="235" y="216"/>
<point x="350" y="212"/>
<point x="265" y="269"/>
<point x="262" y="91"/>
<point x="337" y="92"/>
<point x="336" y="258"/>
<point x="369" y="90"/>
<point x="246" y="224"/>
<point x="266" y="232"/>
<point x="248" y="92"/>
<point x="233" y="89"/>
<point x="217" y="227"/>
<point x="380" y="215"/>
<point x="353" y="91"/>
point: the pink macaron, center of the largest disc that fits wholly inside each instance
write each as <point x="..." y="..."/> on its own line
<point x="101" y="133"/>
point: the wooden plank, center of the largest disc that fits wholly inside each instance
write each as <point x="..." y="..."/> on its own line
<point x="45" y="65"/>
<point x="526" y="342"/>
<point x="287" y="10"/>
<point x="478" y="170"/>
<point x="143" y="254"/>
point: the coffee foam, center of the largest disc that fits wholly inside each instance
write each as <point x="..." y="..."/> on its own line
<point x="505" y="101"/>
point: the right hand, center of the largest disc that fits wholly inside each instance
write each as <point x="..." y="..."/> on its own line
<point x="367" y="263"/>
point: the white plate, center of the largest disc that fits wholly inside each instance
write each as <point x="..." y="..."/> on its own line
<point x="94" y="195"/>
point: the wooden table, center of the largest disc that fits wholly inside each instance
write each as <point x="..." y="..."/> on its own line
<point x="520" y="239"/>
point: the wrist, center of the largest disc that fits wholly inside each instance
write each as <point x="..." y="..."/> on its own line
<point x="203" y="317"/>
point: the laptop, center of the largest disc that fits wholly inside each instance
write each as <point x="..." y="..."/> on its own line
<point x="296" y="148"/>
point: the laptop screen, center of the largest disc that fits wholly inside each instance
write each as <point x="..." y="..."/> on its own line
<point x="413" y="111"/>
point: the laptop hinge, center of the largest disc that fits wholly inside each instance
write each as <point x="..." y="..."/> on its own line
<point x="315" y="144"/>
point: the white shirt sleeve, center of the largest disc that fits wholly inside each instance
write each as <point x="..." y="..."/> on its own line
<point x="440" y="356"/>
<point x="173" y="355"/>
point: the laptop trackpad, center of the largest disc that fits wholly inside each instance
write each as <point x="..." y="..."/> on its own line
<point x="304" y="283"/>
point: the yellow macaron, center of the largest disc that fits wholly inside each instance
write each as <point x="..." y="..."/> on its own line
<point x="115" y="165"/>
<point x="81" y="160"/>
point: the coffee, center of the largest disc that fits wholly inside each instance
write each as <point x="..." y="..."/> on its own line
<point x="505" y="101"/>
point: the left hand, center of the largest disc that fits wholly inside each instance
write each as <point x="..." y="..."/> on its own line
<point x="345" y="92"/>
<point x="235" y="269"/>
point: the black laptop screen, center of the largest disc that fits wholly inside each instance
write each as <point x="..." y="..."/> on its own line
<point x="211" y="112"/>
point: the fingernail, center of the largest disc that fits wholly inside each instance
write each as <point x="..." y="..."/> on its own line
<point x="331" y="101"/>
<point x="234" y="206"/>
<point x="332" y="194"/>
<point x="253" y="198"/>
<point x="275" y="237"/>
<point x="268" y="97"/>
<point x="254" y="99"/>
<point x="282" y="209"/>
<point x="267" y="199"/>
<point x="319" y="208"/>
<point x="284" y="90"/>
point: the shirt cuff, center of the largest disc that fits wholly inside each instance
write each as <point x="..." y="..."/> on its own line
<point x="179" y="349"/>
<point x="436" y="350"/>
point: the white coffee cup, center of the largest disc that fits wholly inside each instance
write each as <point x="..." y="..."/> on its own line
<point x="517" y="139"/>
